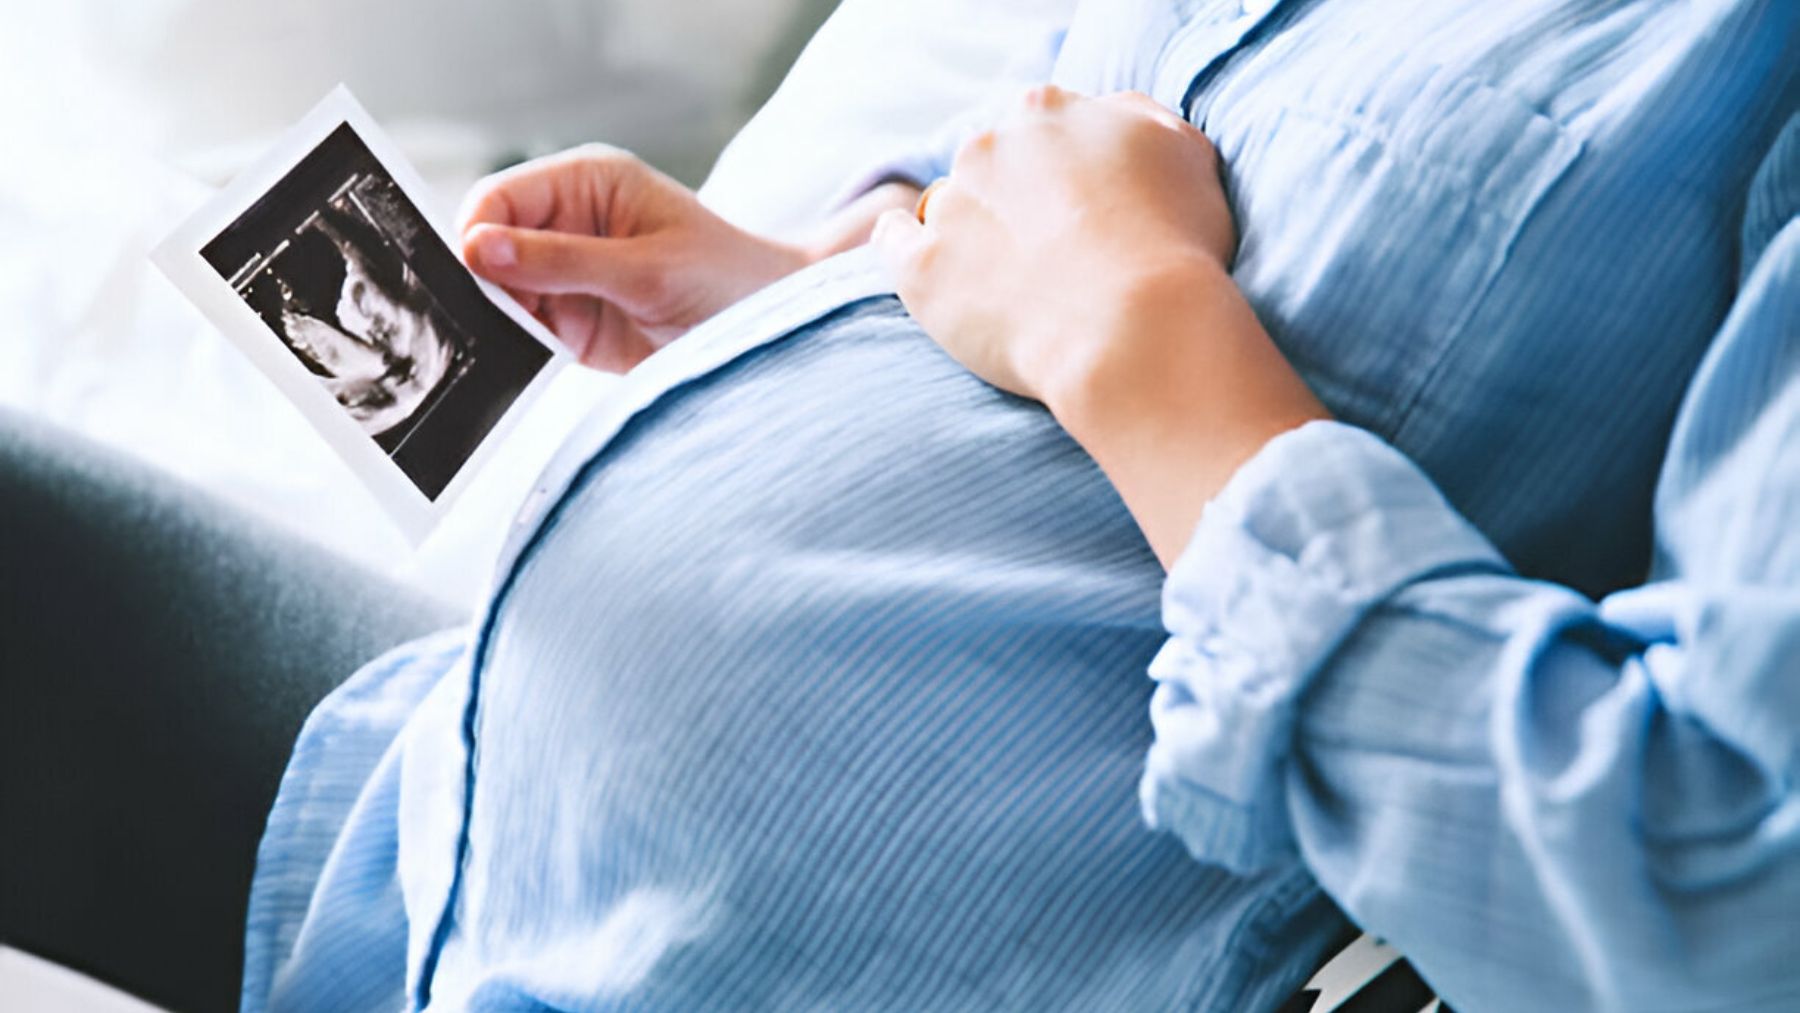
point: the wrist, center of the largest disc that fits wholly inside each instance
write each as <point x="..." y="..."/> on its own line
<point x="1151" y="325"/>
<point x="1175" y="394"/>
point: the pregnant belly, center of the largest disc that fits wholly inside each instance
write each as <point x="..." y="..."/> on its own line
<point x="827" y="686"/>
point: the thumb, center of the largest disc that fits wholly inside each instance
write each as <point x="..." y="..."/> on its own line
<point x="557" y="263"/>
<point x="900" y="242"/>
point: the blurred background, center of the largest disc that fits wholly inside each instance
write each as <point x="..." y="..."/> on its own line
<point x="205" y="82"/>
<point x="120" y="117"/>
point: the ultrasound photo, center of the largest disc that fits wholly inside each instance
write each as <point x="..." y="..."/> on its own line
<point x="341" y="266"/>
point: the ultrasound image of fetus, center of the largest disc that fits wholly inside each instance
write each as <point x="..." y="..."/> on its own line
<point x="346" y="302"/>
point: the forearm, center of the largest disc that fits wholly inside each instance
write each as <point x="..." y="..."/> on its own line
<point x="1545" y="803"/>
<point x="1181" y="387"/>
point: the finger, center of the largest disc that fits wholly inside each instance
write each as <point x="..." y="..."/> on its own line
<point x="951" y="206"/>
<point x="530" y="302"/>
<point x="922" y="207"/>
<point x="529" y="195"/>
<point x="974" y="155"/>
<point x="503" y="198"/>
<point x="1035" y="106"/>
<point x="900" y="243"/>
<point x="557" y="263"/>
<point x="527" y="301"/>
<point x="575" y="320"/>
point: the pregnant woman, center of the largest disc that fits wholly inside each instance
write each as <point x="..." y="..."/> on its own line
<point x="815" y="674"/>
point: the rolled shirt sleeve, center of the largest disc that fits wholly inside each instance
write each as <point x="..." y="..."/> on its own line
<point x="1323" y="525"/>
<point x="1546" y="802"/>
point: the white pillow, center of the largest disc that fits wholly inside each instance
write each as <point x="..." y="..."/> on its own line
<point x="875" y="84"/>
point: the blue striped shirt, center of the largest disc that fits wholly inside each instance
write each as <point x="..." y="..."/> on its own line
<point x="814" y="674"/>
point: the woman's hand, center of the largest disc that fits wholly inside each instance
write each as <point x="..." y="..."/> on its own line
<point x="614" y="257"/>
<point x="1078" y="255"/>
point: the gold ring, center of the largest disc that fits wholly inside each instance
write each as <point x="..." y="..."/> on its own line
<point x="925" y="198"/>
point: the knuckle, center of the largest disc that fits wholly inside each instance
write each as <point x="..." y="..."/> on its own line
<point x="972" y="152"/>
<point x="1045" y="97"/>
<point x="1137" y="98"/>
<point x="1152" y="111"/>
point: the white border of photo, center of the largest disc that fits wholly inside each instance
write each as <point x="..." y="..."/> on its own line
<point x="178" y="256"/>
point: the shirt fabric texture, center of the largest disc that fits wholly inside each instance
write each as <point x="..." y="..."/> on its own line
<point x="814" y="674"/>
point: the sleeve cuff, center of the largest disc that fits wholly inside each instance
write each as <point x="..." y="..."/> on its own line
<point x="1324" y="524"/>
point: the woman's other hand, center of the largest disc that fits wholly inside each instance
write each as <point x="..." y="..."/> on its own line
<point x="613" y="256"/>
<point x="1079" y="255"/>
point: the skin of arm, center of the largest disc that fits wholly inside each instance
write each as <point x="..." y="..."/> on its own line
<point x="1183" y="391"/>
<point x="1077" y="255"/>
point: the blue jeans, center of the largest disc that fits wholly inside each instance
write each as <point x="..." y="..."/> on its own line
<point x="158" y="652"/>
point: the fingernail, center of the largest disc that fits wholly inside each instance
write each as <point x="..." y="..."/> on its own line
<point x="497" y="250"/>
